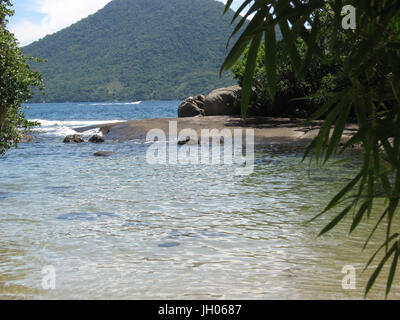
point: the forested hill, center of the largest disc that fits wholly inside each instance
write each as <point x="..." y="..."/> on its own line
<point x="136" y="50"/>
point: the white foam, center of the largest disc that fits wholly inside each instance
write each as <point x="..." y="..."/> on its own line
<point x="115" y="103"/>
<point x="64" y="128"/>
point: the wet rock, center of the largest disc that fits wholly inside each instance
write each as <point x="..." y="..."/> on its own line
<point x="183" y="141"/>
<point x="26" y="139"/>
<point x="103" y="153"/>
<point x="74" y="138"/>
<point x="188" y="140"/>
<point x="97" y="139"/>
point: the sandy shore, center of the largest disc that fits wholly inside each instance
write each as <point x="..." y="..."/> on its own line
<point x="266" y="130"/>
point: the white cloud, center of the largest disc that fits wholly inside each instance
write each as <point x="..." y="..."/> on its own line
<point x="58" y="14"/>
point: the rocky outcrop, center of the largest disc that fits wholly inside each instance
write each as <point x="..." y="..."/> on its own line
<point x="192" y="107"/>
<point x="97" y="139"/>
<point x="221" y="101"/>
<point x="74" y="138"/>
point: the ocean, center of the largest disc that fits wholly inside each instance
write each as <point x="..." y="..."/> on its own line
<point x="121" y="228"/>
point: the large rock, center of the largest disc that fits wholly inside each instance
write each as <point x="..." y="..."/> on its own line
<point x="189" y="108"/>
<point x="221" y="102"/>
<point x="74" y="138"/>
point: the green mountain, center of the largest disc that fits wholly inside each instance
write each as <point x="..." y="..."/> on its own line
<point x="136" y="50"/>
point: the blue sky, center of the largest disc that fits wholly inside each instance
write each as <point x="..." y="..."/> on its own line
<point x="34" y="19"/>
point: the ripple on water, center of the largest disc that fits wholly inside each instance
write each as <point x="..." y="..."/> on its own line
<point x="87" y="216"/>
<point x="169" y="244"/>
<point x="6" y="194"/>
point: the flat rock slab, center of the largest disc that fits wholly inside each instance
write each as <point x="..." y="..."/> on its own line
<point x="266" y="130"/>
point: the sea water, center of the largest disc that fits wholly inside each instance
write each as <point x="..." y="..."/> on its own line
<point x="120" y="228"/>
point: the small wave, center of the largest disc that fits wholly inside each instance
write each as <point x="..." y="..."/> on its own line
<point x="64" y="128"/>
<point x="135" y="102"/>
<point x="115" y="103"/>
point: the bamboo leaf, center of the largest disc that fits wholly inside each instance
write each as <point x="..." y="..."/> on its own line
<point x="392" y="271"/>
<point x="339" y="128"/>
<point x="241" y="44"/>
<point x="379" y="268"/>
<point x="343" y="192"/>
<point x="270" y="60"/>
<point x="359" y="215"/>
<point x="336" y="220"/>
<point x="248" y="77"/>
<point x="228" y="6"/>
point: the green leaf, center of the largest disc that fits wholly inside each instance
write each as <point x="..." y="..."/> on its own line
<point x="248" y="77"/>
<point x="336" y="220"/>
<point x="341" y="194"/>
<point x="290" y="47"/>
<point x="241" y="43"/>
<point x="228" y="6"/>
<point x="360" y="214"/>
<point x="379" y="268"/>
<point x="270" y="60"/>
<point x="392" y="271"/>
<point x="339" y="128"/>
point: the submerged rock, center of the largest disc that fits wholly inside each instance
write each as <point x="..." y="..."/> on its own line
<point x="97" y="139"/>
<point x="169" y="244"/>
<point x="88" y="216"/>
<point x="222" y="101"/>
<point x="103" y="153"/>
<point x="74" y="138"/>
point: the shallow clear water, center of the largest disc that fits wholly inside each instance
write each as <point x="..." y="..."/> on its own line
<point x="120" y="228"/>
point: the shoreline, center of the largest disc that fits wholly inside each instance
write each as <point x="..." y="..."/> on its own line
<point x="267" y="130"/>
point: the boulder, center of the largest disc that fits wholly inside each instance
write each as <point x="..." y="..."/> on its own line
<point x="221" y="101"/>
<point x="97" y="139"/>
<point x="74" y="138"/>
<point x="103" y="153"/>
<point x="189" y="108"/>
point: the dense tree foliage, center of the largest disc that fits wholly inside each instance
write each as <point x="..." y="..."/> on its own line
<point x="371" y="63"/>
<point x="16" y="80"/>
<point x="136" y="50"/>
<point x="319" y="82"/>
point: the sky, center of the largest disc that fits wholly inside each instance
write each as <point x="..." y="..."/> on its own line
<point x="35" y="19"/>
